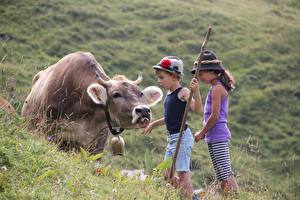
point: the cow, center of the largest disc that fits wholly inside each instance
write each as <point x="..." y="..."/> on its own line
<point x="75" y="102"/>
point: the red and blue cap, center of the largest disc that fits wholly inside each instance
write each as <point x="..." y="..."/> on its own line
<point x="171" y="64"/>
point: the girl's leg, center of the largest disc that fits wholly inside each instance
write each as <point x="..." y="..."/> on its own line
<point x="186" y="184"/>
<point x="229" y="184"/>
<point x="224" y="187"/>
<point x="220" y="156"/>
<point x="232" y="183"/>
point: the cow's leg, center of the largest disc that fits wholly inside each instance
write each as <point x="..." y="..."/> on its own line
<point x="70" y="136"/>
<point x="98" y="143"/>
<point x="69" y="146"/>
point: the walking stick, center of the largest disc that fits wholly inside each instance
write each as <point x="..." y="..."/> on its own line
<point x="196" y="65"/>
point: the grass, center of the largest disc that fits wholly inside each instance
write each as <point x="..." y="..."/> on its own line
<point x="33" y="169"/>
<point x="257" y="40"/>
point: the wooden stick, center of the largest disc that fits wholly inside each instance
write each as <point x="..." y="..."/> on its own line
<point x="196" y="65"/>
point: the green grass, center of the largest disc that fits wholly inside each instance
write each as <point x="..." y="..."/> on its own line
<point x="32" y="168"/>
<point x="257" y="40"/>
<point x="37" y="170"/>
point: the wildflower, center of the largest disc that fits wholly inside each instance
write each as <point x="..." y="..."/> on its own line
<point x="4" y="168"/>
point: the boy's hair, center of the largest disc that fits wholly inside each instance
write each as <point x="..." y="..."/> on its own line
<point x="170" y="73"/>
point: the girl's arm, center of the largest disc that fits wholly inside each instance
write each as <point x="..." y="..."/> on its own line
<point x="153" y="124"/>
<point x="196" y="102"/>
<point x="215" y="112"/>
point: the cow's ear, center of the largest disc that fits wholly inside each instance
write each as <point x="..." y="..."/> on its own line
<point x="153" y="95"/>
<point x="97" y="93"/>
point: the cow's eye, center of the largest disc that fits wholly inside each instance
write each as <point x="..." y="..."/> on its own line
<point x="116" y="95"/>
<point x="142" y="94"/>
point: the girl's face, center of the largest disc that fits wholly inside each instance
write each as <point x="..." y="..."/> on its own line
<point x="166" y="80"/>
<point x="206" y="76"/>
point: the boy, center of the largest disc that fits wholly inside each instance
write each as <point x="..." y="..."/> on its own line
<point x="169" y="72"/>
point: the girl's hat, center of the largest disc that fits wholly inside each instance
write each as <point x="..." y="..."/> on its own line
<point x="209" y="62"/>
<point x="171" y="64"/>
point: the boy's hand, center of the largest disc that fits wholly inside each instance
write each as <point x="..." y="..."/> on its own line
<point x="194" y="85"/>
<point x="148" y="129"/>
<point x="199" y="136"/>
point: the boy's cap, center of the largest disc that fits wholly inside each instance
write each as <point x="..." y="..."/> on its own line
<point x="209" y="62"/>
<point x="171" y="64"/>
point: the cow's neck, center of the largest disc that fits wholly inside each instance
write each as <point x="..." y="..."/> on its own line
<point x="113" y="130"/>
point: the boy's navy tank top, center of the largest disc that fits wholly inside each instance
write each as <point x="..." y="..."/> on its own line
<point x="173" y="111"/>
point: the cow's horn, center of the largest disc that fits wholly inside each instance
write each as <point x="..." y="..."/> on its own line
<point x="139" y="79"/>
<point x="100" y="80"/>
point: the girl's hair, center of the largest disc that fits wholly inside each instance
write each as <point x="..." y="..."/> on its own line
<point x="226" y="79"/>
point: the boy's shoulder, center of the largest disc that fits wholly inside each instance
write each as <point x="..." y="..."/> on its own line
<point x="184" y="89"/>
<point x="184" y="93"/>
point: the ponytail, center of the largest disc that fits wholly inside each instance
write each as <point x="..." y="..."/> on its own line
<point x="227" y="80"/>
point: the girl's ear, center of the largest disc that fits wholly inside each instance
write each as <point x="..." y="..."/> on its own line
<point x="153" y="95"/>
<point x="97" y="93"/>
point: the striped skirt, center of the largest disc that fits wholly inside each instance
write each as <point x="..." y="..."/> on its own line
<point x="219" y="153"/>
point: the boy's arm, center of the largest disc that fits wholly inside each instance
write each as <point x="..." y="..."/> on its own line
<point x="158" y="122"/>
<point x="196" y="102"/>
<point x="153" y="124"/>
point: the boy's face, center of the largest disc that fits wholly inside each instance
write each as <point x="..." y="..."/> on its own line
<point x="165" y="79"/>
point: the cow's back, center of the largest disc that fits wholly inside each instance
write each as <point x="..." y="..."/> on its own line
<point x="60" y="90"/>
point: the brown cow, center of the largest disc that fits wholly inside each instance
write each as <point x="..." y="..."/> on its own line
<point x="75" y="101"/>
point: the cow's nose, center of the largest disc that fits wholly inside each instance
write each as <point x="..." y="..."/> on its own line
<point x="142" y="111"/>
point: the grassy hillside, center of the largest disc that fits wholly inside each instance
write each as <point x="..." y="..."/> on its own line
<point x="257" y="40"/>
<point x="33" y="169"/>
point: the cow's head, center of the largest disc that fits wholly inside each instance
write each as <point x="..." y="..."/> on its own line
<point x="127" y="104"/>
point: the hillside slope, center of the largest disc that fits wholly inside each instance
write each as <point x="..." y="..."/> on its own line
<point x="33" y="169"/>
<point x="257" y="40"/>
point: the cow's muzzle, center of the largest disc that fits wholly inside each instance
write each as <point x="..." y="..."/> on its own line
<point x="142" y="115"/>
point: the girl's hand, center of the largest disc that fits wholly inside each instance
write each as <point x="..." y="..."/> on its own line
<point x="199" y="136"/>
<point x="148" y="128"/>
<point x="194" y="85"/>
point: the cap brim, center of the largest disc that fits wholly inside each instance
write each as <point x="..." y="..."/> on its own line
<point x="163" y="69"/>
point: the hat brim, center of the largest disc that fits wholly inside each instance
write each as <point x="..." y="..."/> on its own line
<point x="205" y="67"/>
<point x="163" y="69"/>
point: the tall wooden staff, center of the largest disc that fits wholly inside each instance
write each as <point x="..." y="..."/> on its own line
<point x="196" y="65"/>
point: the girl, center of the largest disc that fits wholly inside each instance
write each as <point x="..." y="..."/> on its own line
<point x="215" y="130"/>
<point x="169" y="72"/>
